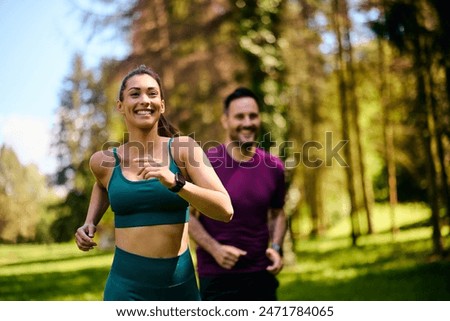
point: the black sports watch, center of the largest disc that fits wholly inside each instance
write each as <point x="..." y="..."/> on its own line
<point x="180" y="181"/>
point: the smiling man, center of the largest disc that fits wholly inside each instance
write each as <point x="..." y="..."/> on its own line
<point x="239" y="261"/>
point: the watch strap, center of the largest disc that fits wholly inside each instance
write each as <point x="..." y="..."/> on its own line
<point x="277" y="248"/>
<point x="180" y="181"/>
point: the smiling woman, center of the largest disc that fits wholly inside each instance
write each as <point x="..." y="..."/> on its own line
<point x="156" y="176"/>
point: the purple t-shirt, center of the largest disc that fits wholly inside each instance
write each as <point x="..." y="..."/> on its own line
<point x="254" y="187"/>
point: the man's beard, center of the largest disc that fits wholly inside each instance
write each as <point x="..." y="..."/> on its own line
<point x="246" y="145"/>
<point x="241" y="139"/>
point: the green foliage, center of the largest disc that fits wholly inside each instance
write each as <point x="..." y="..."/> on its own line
<point x="23" y="198"/>
<point x="82" y="125"/>
<point x="258" y="26"/>
<point x="409" y="189"/>
<point x="85" y="114"/>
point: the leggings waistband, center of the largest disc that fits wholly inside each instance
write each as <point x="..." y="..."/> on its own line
<point x="160" y="272"/>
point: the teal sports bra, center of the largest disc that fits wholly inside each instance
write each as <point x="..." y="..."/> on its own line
<point x="145" y="202"/>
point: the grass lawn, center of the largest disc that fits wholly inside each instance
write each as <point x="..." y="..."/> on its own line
<point x="381" y="267"/>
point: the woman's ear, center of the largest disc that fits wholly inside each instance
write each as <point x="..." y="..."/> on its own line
<point x="119" y="106"/>
<point x="163" y="106"/>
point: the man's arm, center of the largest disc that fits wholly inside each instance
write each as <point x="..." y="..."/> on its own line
<point x="278" y="223"/>
<point x="200" y="235"/>
<point x="277" y="227"/>
<point x="225" y="255"/>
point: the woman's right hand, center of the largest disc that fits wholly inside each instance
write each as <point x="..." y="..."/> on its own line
<point x="84" y="237"/>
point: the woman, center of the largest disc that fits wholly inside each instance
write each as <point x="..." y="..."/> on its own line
<point x="154" y="179"/>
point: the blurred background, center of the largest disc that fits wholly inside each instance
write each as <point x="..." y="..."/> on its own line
<point x="356" y="102"/>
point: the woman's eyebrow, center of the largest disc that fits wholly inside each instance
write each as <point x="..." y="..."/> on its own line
<point x="139" y="88"/>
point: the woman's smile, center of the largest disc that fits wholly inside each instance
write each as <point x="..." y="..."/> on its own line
<point x="145" y="112"/>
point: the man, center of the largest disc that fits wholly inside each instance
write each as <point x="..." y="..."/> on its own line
<point x="240" y="260"/>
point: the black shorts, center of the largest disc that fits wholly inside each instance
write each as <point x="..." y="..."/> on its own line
<point x="255" y="286"/>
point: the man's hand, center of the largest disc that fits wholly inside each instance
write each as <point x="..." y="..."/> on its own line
<point x="227" y="256"/>
<point x="277" y="261"/>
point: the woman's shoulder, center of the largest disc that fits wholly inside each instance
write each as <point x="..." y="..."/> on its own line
<point x="102" y="161"/>
<point x="185" y="149"/>
<point x="182" y="139"/>
<point x="183" y="143"/>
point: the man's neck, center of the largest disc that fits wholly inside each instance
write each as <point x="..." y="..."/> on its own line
<point x="240" y="152"/>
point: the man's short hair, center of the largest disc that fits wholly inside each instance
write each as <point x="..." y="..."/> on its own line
<point x="239" y="92"/>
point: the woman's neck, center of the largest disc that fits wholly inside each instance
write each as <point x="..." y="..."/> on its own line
<point x="142" y="142"/>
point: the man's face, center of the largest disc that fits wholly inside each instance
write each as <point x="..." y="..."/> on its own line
<point x="242" y="122"/>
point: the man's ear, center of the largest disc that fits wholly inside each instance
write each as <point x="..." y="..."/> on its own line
<point x="224" y="121"/>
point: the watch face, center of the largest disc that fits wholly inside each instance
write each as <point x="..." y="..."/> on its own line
<point x="180" y="179"/>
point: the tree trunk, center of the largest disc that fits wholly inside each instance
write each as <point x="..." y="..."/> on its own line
<point x="346" y="133"/>
<point x="426" y="126"/>
<point x="367" y="192"/>
<point x="388" y="136"/>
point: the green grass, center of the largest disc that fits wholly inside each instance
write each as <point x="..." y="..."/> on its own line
<point x="54" y="272"/>
<point x="381" y="267"/>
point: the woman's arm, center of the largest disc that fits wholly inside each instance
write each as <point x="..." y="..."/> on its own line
<point x="206" y="192"/>
<point x="98" y="204"/>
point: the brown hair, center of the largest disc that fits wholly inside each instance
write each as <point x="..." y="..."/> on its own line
<point x="164" y="127"/>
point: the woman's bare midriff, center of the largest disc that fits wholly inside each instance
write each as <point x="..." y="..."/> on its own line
<point x="157" y="241"/>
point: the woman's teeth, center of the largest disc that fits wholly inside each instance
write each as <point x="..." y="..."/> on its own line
<point x="145" y="112"/>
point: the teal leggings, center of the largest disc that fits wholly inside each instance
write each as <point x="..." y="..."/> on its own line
<point x="138" y="278"/>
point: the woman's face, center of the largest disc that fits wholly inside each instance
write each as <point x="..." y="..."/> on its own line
<point x="142" y="105"/>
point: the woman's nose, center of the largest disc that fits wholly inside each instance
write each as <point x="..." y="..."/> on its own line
<point x="145" y="99"/>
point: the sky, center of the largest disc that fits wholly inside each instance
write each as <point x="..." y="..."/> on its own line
<point x="38" y="40"/>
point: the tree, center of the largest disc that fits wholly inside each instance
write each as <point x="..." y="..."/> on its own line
<point x="340" y="26"/>
<point x="192" y="45"/>
<point x="305" y="78"/>
<point x="23" y="193"/>
<point x="407" y="24"/>
<point x="84" y="120"/>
